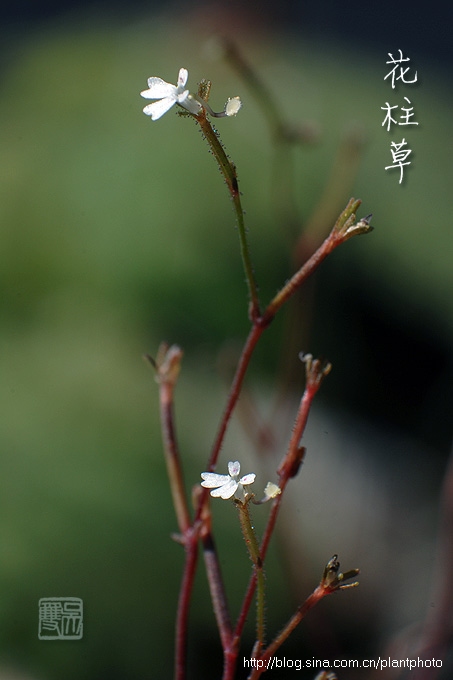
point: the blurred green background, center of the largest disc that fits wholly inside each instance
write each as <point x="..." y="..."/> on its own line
<point x="117" y="232"/>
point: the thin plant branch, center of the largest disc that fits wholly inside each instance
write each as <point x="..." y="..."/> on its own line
<point x="332" y="580"/>
<point x="182" y="616"/>
<point x="315" y="371"/>
<point x="167" y="366"/>
<point x="215" y="579"/>
<point x="254" y="552"/>
<point x="228" y="170"/>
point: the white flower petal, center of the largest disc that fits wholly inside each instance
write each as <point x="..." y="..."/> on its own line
<point x="157" y="109"/>
<point x="211" y="480"/>
<point x="182" y="77"/>
<point x="225" y="491"/>
<point x="158" y="89"/>
<point x="169" y="94"/>
<point x="234" y="468"/>
<point x="181" y="98"/>
<point x="226" y="486"/>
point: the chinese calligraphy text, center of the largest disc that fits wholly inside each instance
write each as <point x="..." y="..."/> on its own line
<point x="399" y="72"/>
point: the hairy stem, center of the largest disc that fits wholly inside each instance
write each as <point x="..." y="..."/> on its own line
<point x="295" y="282"/>
<point x="254" y="552"/>
<point x="228" y="170"/>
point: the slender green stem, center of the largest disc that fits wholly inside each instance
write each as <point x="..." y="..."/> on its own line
<point x="254" y="552"/>
<point x="228" y="170"/>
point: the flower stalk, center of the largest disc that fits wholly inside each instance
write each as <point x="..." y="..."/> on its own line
<point x="228" y="170"/>
<point x="254" y="552"/>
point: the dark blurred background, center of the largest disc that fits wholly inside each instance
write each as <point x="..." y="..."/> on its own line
<point x="117" y="233"/>
<point x="422" y="26"/>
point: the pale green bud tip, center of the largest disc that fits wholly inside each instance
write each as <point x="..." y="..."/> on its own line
<point x="232" y="106"/>
<point x="272" y="490"/>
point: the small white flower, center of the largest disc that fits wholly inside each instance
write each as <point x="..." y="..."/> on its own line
<point x="168" y="95"/>
<point x="232" y="106"/>
<point x="229" y="485"/>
